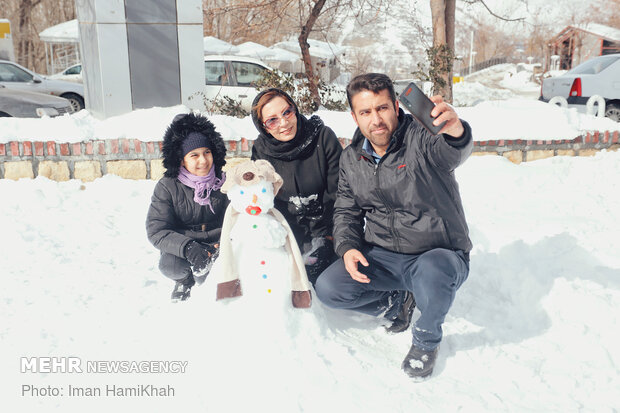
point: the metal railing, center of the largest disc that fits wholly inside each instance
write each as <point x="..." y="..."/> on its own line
<point x="483" y="65"/>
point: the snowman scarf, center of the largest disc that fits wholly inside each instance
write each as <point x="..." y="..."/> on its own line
<point x="202" y="185"/>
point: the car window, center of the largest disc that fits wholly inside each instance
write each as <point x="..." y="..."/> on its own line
<point x="247" y="73"/>
<point x="75" y="70"/>
<point x="594" y="66"/>
<point x="215" y="73"/>
<point x="10" y="73"/>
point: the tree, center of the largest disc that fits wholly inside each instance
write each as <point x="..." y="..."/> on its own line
<point x="609" y="13"/>
<point x="238" y="21"/>
<point x="305" y="51"/>
<point x="25" y="45"/>
<point x="441" y="55"/>
<point x="275" y="20"/>
<point x="235" y="21"/>
<point x="442" y="52"/>
<point x="333" y="13"/>
<point x="28" y="18"/>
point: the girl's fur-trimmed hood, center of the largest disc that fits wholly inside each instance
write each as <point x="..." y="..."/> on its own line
<point x="178" y="130"/>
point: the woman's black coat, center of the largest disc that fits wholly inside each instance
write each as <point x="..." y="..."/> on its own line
<point x="310" y="176"/>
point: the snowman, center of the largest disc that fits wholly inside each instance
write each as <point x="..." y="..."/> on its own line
<point x="259" y="257"/>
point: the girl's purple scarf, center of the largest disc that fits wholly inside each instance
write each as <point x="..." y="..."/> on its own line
<point x="202" y="185"/>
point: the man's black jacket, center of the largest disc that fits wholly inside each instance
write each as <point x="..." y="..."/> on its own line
<point x="409" y="202"/>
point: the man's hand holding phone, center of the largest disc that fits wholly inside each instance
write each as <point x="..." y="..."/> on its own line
<point x="445" y="113"/>
<point x="434" y="114"/>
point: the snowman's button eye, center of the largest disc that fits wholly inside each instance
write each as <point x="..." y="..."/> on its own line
<point x="264" y="190"/>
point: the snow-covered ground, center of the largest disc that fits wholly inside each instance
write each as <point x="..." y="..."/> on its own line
<point x="533" y="329"/>
<point x="499" y="103"/>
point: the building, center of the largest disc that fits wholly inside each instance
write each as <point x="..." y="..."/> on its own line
<point x="576" y="44"/>
<point x="62" y="46"/>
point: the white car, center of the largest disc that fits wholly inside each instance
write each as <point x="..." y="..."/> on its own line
<point x="233" y="77"/>
<point x="70" y="74"/>
<point x="14" y="76"/>
<point x="597" y="76"/>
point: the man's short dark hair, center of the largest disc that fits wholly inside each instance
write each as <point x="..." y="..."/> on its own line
<point x="374" y="82"/>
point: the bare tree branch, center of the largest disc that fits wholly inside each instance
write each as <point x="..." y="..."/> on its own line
<point x="492" y="13"/>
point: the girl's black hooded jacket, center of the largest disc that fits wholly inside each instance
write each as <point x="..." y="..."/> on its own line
<point x="174" y="218"/>
<point x="308" y="164"/>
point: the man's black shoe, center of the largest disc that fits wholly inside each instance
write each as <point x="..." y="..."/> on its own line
<point x="403" y="319"/>
<point x="180" y="292"/>
<point x="419" y="363"/>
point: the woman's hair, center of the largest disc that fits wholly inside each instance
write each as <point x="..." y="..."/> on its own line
<point x="267" y="97"/>
<point x="181" y="126"/>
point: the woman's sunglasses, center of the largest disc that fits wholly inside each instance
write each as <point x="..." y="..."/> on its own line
<point x="274" y="122"/>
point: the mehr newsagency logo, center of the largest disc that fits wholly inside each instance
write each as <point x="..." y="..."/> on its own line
<point x="77" y="365"/>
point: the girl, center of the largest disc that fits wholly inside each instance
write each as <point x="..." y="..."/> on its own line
<point x="187" y="208"/>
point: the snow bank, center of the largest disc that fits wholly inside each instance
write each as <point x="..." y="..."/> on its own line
<point x="494" y="113"/>
<point x="470" y="93"/>
<point x="524" y="119"/>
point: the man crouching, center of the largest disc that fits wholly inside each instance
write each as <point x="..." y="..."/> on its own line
<point x="399" y="214"/>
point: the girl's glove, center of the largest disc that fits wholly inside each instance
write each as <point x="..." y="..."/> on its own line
<point x="201" y="256"/>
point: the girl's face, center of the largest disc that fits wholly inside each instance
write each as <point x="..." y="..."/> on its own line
<point x="198" y="161"/>
<point x="279" y="119"/>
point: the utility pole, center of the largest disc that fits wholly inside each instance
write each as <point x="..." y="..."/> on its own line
<point x="471" y="52"/>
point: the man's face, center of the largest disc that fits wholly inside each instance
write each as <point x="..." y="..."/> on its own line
<point x="376" y="116"/>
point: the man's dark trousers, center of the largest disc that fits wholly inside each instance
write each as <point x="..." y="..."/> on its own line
<point x="433" y="277"/>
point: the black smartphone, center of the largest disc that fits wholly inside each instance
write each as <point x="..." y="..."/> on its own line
<point x="420" y="107"/>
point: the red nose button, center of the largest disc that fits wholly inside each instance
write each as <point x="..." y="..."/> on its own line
<point x="253" y="210"/>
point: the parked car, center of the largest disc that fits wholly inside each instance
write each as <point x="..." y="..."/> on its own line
<point x="70" y="74"/>
<point x="233" y="77"/>
<point x="597" y="76"/>
<point x="14" y="76"/>
<point x="23" y="104"/>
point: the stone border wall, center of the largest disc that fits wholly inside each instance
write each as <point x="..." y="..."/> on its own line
<point x="135" y="159"/>
<point x="525" y="150"/>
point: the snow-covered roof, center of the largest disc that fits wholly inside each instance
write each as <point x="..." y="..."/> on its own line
<point x="606" y="32"/>
<point x="609" y="33"/>
<point x="282" y="55"/>
<point x="251" y="49"/>
<point x="213" y="45"/>
<point x="272" y="54"/>
<point x="66" y="32"/>
<point x="318" y="48"/>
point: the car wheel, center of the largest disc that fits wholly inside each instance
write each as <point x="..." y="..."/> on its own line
<point x="613" y="111"/>
<point x="77" y="103"/>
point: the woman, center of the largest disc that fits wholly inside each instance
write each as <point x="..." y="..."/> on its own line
<point x="185" y="218"/>
<point x="305" y="153"/>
